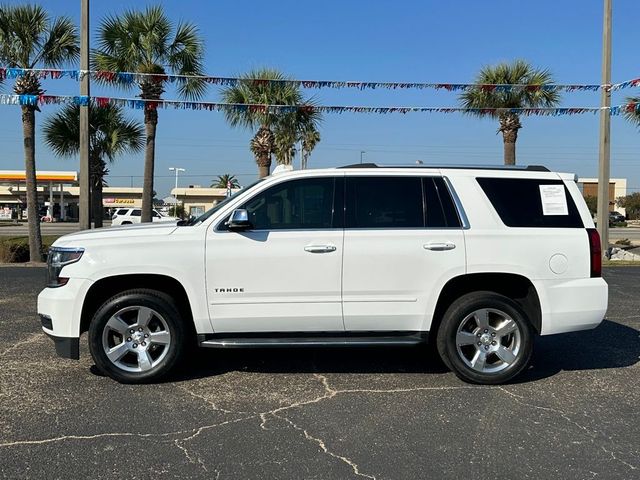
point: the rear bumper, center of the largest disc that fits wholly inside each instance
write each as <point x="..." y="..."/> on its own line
<point x="573" y="305"/>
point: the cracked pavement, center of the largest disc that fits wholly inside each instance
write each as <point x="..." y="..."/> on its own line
<point x="322" y="413"/>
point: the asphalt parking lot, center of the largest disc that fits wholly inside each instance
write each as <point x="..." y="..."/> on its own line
<point x="332" y="413"/>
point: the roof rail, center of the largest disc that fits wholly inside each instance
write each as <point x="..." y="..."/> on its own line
<point x="530" y="168"/>
<point x="360" y="165"/>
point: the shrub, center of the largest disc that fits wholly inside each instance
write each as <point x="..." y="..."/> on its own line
<point x="623" y="241"/>
<point x="16" y="249"/>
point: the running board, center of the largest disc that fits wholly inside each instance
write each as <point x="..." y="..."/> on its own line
<point x="288" y="339"/>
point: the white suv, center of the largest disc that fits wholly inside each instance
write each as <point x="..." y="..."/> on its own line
<point x="478" y="260"/>
<point x="128" y="216"/>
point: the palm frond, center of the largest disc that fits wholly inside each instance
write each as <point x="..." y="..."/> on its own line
<point x="29" y="38"/>
<point x="62" y="131"/>
<point x="110" y="133"/>
<point x="632" y="115"/>
<point x="185" y="58"/>
<point x="147" y="42"/>
<point x="518" y="72"/>
<point x="61" y="45"/>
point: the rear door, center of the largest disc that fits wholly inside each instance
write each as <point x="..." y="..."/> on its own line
<point x="403" y="242"/>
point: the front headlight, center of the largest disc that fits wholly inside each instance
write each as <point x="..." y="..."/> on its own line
<point x="59" y="257"/>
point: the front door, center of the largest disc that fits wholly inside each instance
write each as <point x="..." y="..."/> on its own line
<point x="285" y="273"/>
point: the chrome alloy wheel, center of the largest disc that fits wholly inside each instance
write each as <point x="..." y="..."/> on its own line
<point x="488" y="340"/>
<point x="136" y="339"/>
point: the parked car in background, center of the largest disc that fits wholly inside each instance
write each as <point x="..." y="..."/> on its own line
<point x="616" y="217"/>
<point x="128" y="216"/>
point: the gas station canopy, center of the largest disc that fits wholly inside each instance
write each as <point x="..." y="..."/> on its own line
<point x="19" y="176"/>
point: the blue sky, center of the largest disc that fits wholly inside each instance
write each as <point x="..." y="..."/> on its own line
<point x="413" y="41"/>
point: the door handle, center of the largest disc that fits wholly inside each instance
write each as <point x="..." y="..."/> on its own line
<point x="439" y="247"/>
<point x="320" y="248"/>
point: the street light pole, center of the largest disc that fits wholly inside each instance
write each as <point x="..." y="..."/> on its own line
<point x="85" y="205"/>
<point x="604" y="164"/>
<point x="175" y="190"/>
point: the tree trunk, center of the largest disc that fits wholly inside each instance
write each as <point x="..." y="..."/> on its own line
<point x="509" y="126"/>
<point x="96" y="204"/>
<point x="263" y="170"/>
<point x="509" y="151"/>
<point x="33" y="221"/>
<point x="150" y="123"/>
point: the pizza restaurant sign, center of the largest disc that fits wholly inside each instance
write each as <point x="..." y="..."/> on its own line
<point x="121" y="201"/>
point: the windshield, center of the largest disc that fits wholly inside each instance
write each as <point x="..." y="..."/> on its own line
<point x="210" y="212"/>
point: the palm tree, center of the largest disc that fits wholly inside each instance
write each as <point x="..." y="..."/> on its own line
<point x="294" y="127"/>
<point x="310" y="138"/>
<point x="485" y="96"/>
<point x="29" y="38"/>
<point x="224" y="180"/>
<point x="110" y="135"/>
<point x="633" y="114"/>
<point x="147" y="42"/>
<point x="250" y="91"/>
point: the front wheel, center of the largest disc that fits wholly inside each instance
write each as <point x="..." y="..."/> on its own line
<point x="137" y="336"/>
<point x="485" y="338"/>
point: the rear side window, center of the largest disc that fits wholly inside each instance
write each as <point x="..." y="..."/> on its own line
<point x="384" y="202"/>
<point x="524" y="202"/>
<point x="399" y="202"/>
<point x="135" y="213"/>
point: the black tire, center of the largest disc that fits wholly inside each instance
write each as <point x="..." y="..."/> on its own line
<point x="165" y="322"/>
<point x="494" y="356"/>
<point x="125" y="223"/>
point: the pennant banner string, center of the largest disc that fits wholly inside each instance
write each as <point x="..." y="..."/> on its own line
<point x="128" y="78"/>
<point x="137" y="103"/>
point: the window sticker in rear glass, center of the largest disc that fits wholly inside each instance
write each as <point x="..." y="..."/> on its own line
<point x="554" y="200"/>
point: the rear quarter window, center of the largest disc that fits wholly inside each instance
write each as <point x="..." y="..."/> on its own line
<point x="519" y="203"/>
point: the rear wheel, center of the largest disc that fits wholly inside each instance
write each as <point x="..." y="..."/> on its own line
<point x="137" y="336"/>
<point x="485" y="338"/>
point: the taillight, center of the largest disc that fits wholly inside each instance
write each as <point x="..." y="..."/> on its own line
<point x="595" y="252"/>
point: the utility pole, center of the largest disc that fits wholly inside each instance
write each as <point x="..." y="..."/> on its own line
<point x="604" y="166"/>
<point x="175" y="194"/>
<point x="85" y="207"/>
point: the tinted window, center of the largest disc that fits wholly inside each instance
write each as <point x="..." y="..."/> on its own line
<point x="122" y="211"/>
<point x="384" y="202"/>
<point x="297" y="204"/>
<point x="135" y="213"/>
<point x="440" y="210"/>
<point x="156" y="214"/>
<point x="518" y="201"/>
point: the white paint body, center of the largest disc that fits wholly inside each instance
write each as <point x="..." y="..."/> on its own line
<point x="374" y="280"/>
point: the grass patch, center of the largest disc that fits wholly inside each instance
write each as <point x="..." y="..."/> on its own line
<point x="620" y="263"/>
<point x="16" y="249"/>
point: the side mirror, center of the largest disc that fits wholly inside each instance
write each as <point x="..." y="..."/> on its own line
<point x="239" y="220"/>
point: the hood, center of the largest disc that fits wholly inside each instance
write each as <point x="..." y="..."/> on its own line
<point x="124" y="231"/>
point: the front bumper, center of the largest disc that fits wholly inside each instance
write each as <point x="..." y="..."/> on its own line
<point x="60" y="311"/>
<point x="66" y="347"/>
